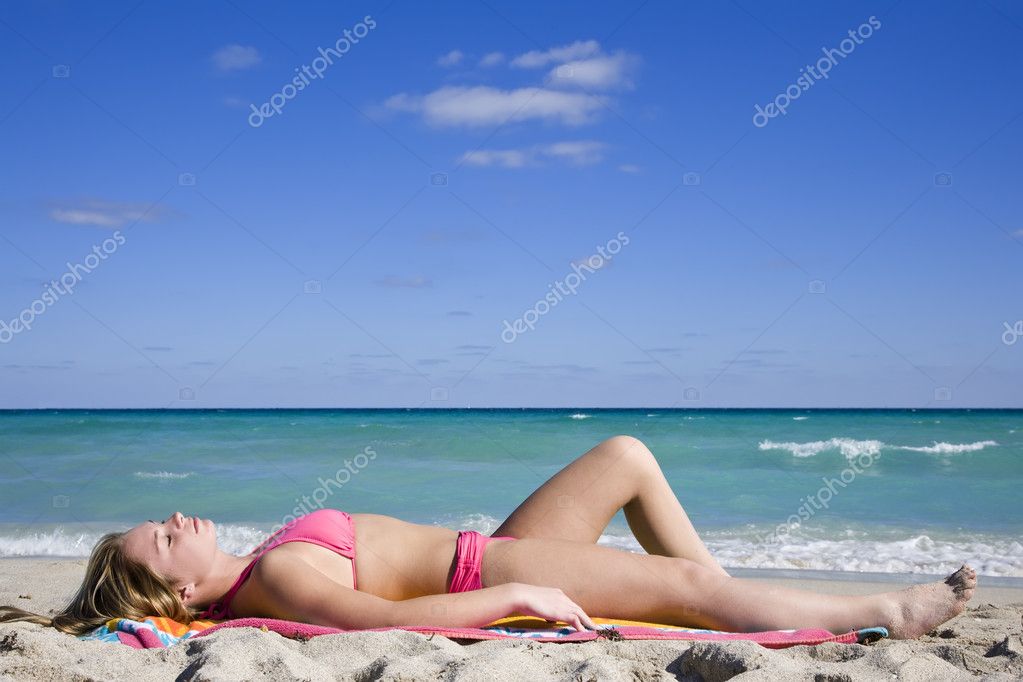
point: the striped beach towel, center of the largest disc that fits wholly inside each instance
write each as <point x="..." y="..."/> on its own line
<point x="156" y="632"/>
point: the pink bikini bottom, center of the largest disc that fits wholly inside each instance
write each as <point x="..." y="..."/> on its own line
<point x="469" y="560"/>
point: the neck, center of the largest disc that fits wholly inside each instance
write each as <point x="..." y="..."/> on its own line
<point x="226" y="570"/>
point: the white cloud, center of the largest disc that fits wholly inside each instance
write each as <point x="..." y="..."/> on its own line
<point x="453" y="58"/>
<point x="579" y="153"/>
<point x="506" y="158"/>
<point x="1018" y="233"/>
<point x="557" y="55"/>
<point x="600" y="73"/>
<point x="417" y="282"/>
<point x="574" y="153"/>
<point x="236" y="58"/>
<point x="483" y="105"/>
<point x="629" y="168"/>
<point x="492" y="59"/>
<point x="105" y="213"/>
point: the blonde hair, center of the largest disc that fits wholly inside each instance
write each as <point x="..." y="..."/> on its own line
<point x="115" y="586"/>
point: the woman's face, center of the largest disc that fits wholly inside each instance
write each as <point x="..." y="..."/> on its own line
<point x="182" y="549"/>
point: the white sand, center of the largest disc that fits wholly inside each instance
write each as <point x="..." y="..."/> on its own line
<point x="986" y="640"/>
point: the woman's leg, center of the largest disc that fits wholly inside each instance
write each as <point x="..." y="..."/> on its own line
<point x="611" y="583"/>
<point x="579" y="501"/>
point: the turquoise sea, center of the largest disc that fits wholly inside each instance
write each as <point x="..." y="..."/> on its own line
<point x="910" y="490"/>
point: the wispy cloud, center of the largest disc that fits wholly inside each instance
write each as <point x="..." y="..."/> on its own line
<point x="580" y="65"/>
<point x="629" y="168"/>
<point x="394" y="282"/>
<point x="105" y="213"/>
<point x="62" y="366"/>
<point x="485" y="106"/>
<point x="459" y="313"/>
<point x="598" y="73"/>
<point x="536" y="59"/>
<point x="492" y="59"/>
<point x="453" y="58"/>
<point x="236" y="58"/>
<point x="506" y="158"/>
<point x="574" y="153"/>
<point x="562" y="367"/>
<point x="577" y="153"/>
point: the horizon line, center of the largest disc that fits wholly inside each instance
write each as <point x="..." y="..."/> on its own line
<point x="491" y="408"/>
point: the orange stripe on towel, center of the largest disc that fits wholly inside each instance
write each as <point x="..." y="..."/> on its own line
<point x="534" y="623"/>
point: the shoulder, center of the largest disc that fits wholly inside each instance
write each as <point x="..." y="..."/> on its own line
<point x="277" y="565"/>
<point x="282" y="584"/>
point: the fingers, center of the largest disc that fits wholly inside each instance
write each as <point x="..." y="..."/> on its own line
<point x="580" y="621"/>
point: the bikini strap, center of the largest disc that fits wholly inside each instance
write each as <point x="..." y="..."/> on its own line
<point x="221" y="610"/>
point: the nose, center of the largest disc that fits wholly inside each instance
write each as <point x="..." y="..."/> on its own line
<point x="178" y="518"/>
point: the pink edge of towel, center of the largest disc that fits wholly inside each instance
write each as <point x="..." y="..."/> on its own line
<point x="141" y="639"/>
<point x="771" y="639"/>
<point x="131" y="640"/>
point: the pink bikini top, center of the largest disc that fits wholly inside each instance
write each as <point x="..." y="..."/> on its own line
<point x="328" y="528"/>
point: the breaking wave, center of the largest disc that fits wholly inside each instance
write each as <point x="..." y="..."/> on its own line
<point x="852" y="448"/>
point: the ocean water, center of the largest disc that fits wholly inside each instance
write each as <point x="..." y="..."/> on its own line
<point x="859" y="490"/>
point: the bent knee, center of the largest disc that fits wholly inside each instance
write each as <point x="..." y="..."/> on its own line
<point x="630" y="449"/>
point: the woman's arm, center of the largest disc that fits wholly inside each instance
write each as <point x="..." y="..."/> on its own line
<point x="479" y="607"/>
<point x="293" y="590"/>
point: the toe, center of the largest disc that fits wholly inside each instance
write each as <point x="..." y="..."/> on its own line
<point x="962" y="577"/>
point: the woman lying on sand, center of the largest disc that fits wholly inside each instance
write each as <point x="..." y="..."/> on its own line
<point x="365" y="570"/>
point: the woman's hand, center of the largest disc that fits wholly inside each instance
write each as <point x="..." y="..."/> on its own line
<point x="550" y="603"/>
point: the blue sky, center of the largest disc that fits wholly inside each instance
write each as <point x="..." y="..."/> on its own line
<point x="365" y="245"/>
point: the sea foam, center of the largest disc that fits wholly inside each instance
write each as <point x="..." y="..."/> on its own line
<point x="852" y="448"/>
<point x="851" y="551"/>
<point x="950" y="448"/>
<point x="63" y="542"/>
<point x="847" y="446"/>
<point x="163" y="474"/>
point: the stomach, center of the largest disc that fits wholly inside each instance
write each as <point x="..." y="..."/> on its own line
<point x="398" y="560"/>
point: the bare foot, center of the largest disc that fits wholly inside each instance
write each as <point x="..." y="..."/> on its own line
<point x="919" y="609"/>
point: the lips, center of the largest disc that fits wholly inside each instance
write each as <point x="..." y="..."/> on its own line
<point x="195" y="523"/>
